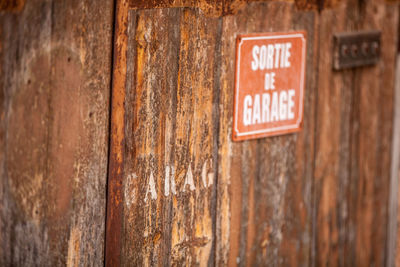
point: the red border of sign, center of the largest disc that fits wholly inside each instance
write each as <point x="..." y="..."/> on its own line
<point x="297" y="127"/>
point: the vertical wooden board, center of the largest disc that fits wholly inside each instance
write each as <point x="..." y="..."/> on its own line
<point x="393" y="257"/>
<point x="296" y="245"/>
<point x="195" y="139"/>
<point x="353" y="140"/>
<point x="394" y="240"/>
<point x="170" y="138"/>
<point x="264" y="210"/>
<point x="2" y="129"/>
<point x="22" y="183"/>
<point x="375" y="103"/>
<point x="333" y="186"/>
<point x="117" y="141"/>
<point x="151" y="45"/>
<point x="229" y="153"/>
<point x="56" y="90"/>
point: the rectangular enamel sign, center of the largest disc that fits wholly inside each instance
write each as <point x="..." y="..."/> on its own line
<point x="269" y="84"/>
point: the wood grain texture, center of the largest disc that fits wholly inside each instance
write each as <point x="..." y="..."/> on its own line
<point x="12" y="5"/>
<point x="117" y="139"/>
<point x="55" y="62"/>
<point x="394" y="239"/>
<point x="333" y="159"/>
<point x="180" y="192"/>
<point x="376" y="96"/>
<point x="221" y="8"/>
<point x="264" y="186"/>
<point x="175" y="73"/>
<point x="354" y="128"/>
<point x="168" y="157"/>
<point x="303" y="199"/>
<point x="393" y="256"/>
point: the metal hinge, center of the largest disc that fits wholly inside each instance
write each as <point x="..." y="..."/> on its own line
<point x="356" y="49"/>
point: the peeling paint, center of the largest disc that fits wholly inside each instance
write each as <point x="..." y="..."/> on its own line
<point x="130" y="190"/>
<point x="189" y="180"/>
<point x="173" y="186"/>
<point x="169" y="181"/>
<point x="151" y="188"/>
<point x="204" y="174"/>
<point x="166" y="181"/>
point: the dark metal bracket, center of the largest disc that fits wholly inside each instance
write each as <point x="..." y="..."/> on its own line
<point x="356" y="49"/>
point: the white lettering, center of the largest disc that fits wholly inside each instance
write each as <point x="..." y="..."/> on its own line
<point x="269" y="82"/>
<point x="282" y="105"/>
<point x="271" y="56"/>
<point x="151" y="188"/>
<point x="204" y="174"/>
<point x="210" y="175"/>
<point x="283" y="54"/>
<point x="263" y="57"/>
<point x="166" y="181"/>
<point x="189" y="180"/>
<point x="270" y="60"/>
<point x="291" y="104"/>
<point x="254" y="63"/>
<point x="247" y="110"/>
<point x="256" y="109"/>
<point x="287" y="55"/>
<point x="277" y="48"/>
<point x="265" y="107"/>
<point x="274" y="107"/>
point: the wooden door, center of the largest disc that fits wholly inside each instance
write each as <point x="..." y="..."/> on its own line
<point x="181" y="192"/>
<point x="116" y="138"/>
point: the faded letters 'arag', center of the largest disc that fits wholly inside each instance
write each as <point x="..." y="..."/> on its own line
<point x="269" y="84"/>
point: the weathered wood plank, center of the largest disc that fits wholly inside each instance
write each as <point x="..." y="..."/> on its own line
<point x="113" y="242"/>
<point x="170" y="136"/>
<point x="148" y="91"/>
<point x="393" y="256"/>
<point x="12" y="5"/>
<point x="264" y="186"/>
<point x="376" y="94"/>
<point x="53" y="178"/>
<point x="195" y="140"/>
<point x="180" y="191"/>
<point x="353" y="142"/>
<point x="332" y="156"/>
<point x="222" y="8"/>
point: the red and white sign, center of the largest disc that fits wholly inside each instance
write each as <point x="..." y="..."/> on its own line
<point x="269" y="84"/>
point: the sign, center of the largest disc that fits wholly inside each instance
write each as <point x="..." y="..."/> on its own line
<point x="269" y="84"/>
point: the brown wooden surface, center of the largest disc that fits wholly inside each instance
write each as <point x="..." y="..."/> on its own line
<point x="12" y="5"/>
<point x="168" y="166"/>
<point x="353" y="142"/>
<point x="176" y="73"/>
<point x="114" y="215"/>
<point x="163" y="123"/>
<point x="306" y="199"/>
<point x="394" y="237"/>
<point x="180" y="192"/>
<point x="221" y="7"/>
<point x="55" y="62"/>
<point x="393" y="256"/>
<point x="264" y="186"/>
